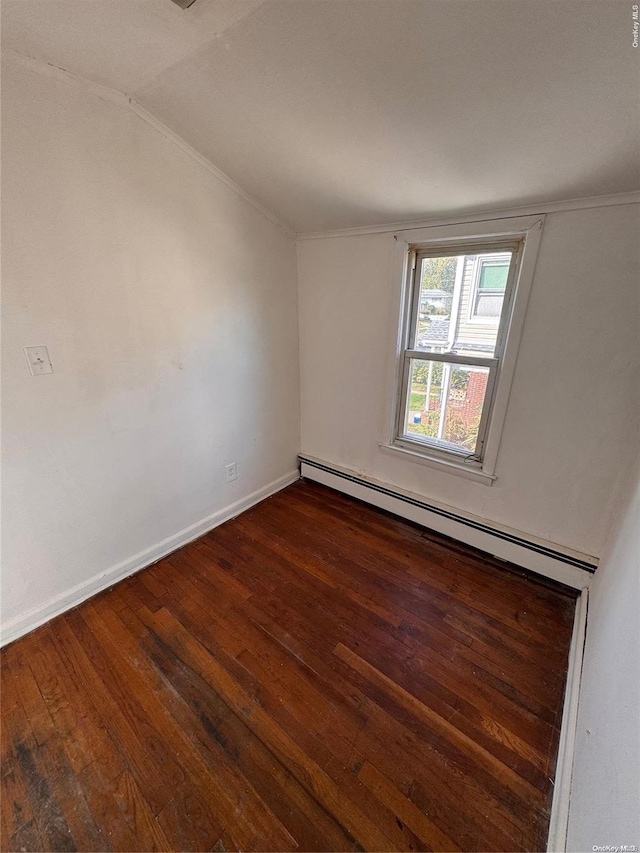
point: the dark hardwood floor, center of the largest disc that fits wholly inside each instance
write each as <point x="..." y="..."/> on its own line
<point x="314" y="675"/>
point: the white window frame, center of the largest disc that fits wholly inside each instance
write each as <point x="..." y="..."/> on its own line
<point x="523" y="232"/>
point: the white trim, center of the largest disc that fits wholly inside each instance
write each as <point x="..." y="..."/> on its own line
<point x="520" y="295"/>
<point x="448" y="463"/>
<point x="459" y="527"/>
<point x="121" y="99"/>
<point x="479" y="216"/>
<point x="32" y="619"/>
<point x="559" y="821"/>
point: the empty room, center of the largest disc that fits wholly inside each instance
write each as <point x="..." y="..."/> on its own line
<point x="320" y="425"/>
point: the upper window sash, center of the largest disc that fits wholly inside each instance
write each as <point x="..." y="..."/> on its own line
<point x="419" y="253"/>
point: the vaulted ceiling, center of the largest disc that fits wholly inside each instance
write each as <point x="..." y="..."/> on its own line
<point x="339" y="113"/>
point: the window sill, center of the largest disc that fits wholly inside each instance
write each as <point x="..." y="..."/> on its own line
<point x="459" y="469"/>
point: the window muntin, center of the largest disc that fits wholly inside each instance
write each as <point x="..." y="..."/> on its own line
<point x="457" y="317"/>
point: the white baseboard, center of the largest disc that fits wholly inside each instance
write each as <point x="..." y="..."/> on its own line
<point x="559" y="822"/>
<point x="32" y="619"/>
<point x="545" y="558"/>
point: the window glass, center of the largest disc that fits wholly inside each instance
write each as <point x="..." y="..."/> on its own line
<point x="437" y="284"/>
<point x="445" y="404"/>
<point x="493" y="275"/>
<point x="459" y="302"/>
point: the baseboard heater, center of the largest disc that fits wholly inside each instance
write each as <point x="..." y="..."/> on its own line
<point x="562" y="565"/>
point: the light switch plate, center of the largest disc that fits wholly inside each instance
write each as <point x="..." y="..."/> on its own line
<point x="38" y="360"/>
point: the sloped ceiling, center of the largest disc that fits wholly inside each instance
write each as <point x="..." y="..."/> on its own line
<point x="340" y="113"/>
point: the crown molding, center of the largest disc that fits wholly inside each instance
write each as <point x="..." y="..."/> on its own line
<point x="479" y="216"/>
<point x="121" y="99"/>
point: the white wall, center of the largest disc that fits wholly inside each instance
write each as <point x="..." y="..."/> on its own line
<point x="605" y="795"/>
<point x="168" y="304"/>
<point x="571" y="424"/>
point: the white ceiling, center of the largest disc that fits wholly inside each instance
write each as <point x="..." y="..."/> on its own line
<point x="339" y="113"/>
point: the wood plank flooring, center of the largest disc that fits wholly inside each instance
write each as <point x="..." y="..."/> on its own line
<point x="313" y="675"/>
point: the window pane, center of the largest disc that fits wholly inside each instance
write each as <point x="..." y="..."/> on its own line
<point x="437" y="283"/>
<point x="445" y="403"/>
<point x="460" y="301"/>
<point x="488" y="306"/>
<point x="493" y="275"/>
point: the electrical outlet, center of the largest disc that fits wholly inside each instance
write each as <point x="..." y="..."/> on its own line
<point x="38" y="360"/>
<point x="231" y="471"/>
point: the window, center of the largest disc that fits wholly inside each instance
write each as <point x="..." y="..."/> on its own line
<point x="490" y="284"/>
<point x="457" y="321"/>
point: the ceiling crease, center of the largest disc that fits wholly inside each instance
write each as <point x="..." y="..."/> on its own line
<point x="339" y="115"/>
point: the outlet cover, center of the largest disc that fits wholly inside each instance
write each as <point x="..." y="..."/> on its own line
<point x="38" y="360"/>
